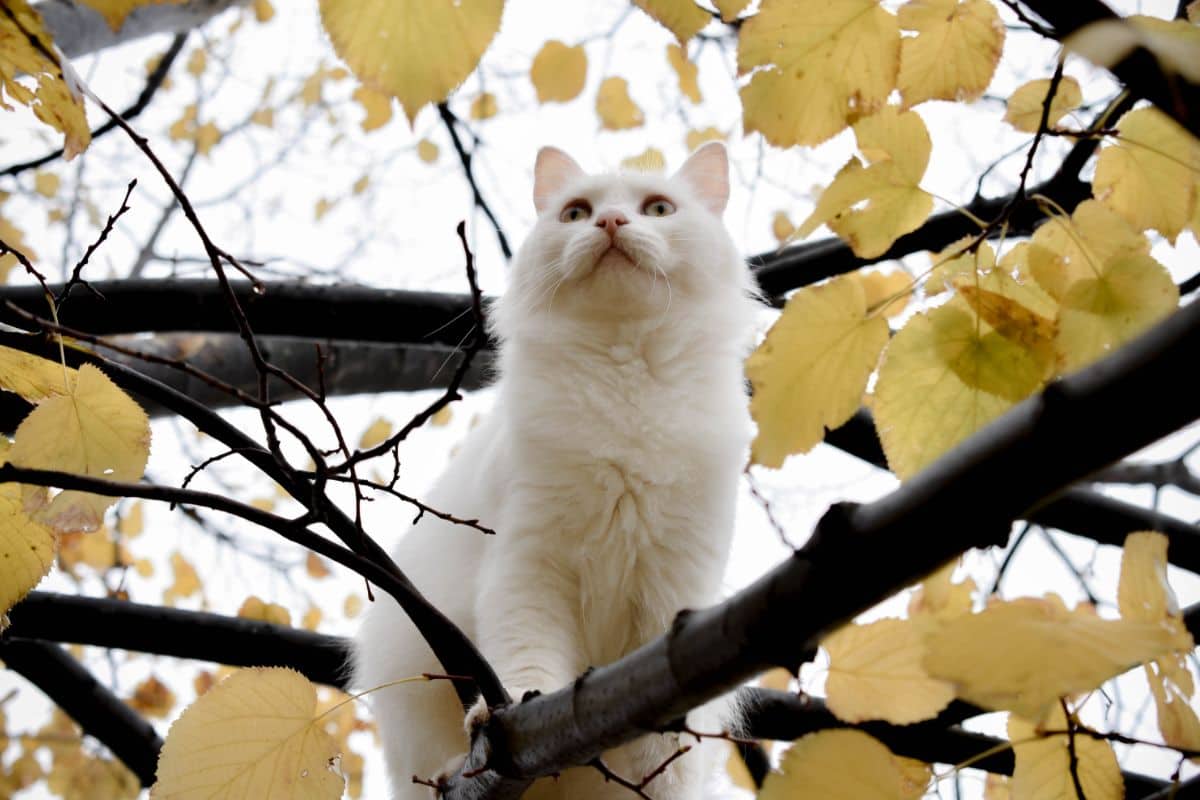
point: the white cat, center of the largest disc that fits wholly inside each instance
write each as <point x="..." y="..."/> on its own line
<point x="608" y="467"/>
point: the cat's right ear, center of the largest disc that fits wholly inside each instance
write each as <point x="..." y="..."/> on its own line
<point x="550" y="173"/>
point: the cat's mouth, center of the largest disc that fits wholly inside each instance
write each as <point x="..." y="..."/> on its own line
<point x="615" y="256"/>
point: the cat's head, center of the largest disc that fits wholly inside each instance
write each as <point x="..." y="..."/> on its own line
<point x="627" y="244"/>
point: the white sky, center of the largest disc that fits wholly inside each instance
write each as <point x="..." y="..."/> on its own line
<point x="257" y="192"/>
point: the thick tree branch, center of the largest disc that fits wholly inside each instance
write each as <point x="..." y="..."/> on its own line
<point x="196" y="635"/>
<point x="1040" y="446"/>
<point x="79" y="30"/>
<point x="97" y="710"/>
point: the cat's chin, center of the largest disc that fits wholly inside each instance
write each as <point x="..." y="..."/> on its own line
<point x="614" y="258"/>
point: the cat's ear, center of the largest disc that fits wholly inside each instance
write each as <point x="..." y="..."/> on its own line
<point x="551" y="171"/>
<point x="707" y="172"/>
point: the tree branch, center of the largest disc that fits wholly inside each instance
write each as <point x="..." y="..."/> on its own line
<point x="97" y="710"/>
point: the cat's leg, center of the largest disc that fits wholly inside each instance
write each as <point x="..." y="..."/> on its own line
<point x="527" y="617"/>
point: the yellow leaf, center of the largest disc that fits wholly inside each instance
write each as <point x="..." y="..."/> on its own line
<point x="939" y="598"/>
<point x="838" y="65"/>
<point x="96" y="549"/>
<point x="377" y="105"/>
<point x="323" y="207"/>
<point x="1069" y="249"/>
<point x="441" y="417"/>
<point x="32" y="377"/>
<point x="558" y="72"/>
<point x="1043" y="766"/>
<point x="94" y="430"/>
<point x="1175" y="43"/>
<point x="1143" y="593"/>
<point x="685" y="70"/>
<point x="782" y="227"/>
<point x="183" y="127"/>
<point x="263" y="503"/>
<point x="197" y="62"/>
<point x="651" y="160"/>
<point x="352" y="607"/>
<point x="51" y="102"/>
<point x="427" y="151"/>
<point x="413" y="49"/>
<point x="211" y="750"/>
<point x="376" y="433"/>
<point x="1099" y="314"/>
<point x="82" y="776"/>
<point x="26" y="550"/>
<point x="1012" y="320"/>
<point x="892" y="287"/>
<point x="15" y="239"/>
<point x="944" y="376"/>
<point x="186" y="582"/>
<point x="697" y="137"/>
<point x="315" y="567"/>
<point x="1024" y="110"/>
<point x="311" y="618"/>
<point x="954" y="53"/>
<point x="484" y="106"/>
<point x="1177" y="719"/>
<point x="953" y="261"/>
<point x="840" y="765"/>
<point x="263" y="10"/>
<point x="115" y="11"/>
<point x="810" y="372"/>
<point x="616" y="109"/>
<point x="730" y="8"/>
<point x="1147" y="175"/>
<point x="46" y="183"/>
<point x="875" y="673"/>
<point x="361" y="184"/>
<point x="131" y="522"/>
<point x="144" y="567"/>
<point x="896" y="146"/>
<point x="778" y="679"/>
<point x="207" y="136"/>
<point x="153" y="698"/>
<point x="738" y="773"/>
<point x="995" y="787"/>
<point x="681" y="17"/>
<point x="997" y="658"/>
<point x="264" y="117"/>
<point x="255" y="608"/>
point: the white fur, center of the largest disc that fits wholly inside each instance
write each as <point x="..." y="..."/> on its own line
<point x="608" y="468"/>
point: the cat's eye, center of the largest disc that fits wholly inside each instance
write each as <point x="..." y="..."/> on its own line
<point x="575" y="211"/>
<point x="658" y="207"/>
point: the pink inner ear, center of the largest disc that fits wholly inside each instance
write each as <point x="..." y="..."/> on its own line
<point x="707" y="171"/>
<point x="552" y="170"/>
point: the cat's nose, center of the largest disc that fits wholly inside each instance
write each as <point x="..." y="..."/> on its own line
<point x="611" y="220"/>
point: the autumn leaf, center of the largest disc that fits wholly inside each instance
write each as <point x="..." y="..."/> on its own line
<point x="197" y="62"/>
<point x="838" y="65"/>
<point x="997" y="658"/>
<point x="686" y="71"/>
<point x="1043" y="765"/>
<point x="417" y="51"/>
<point x="1175" y="43"/>
<point x="95" y="430"/>
<point x="26" y="550"/>
<point x="954" y="53"/>
<point x="876" y="673"/>
<point x="377" y="105"/>
<point x="695" y="138"/>
<point x="810" y="372"/>
<point x="46" y="183"/>
<point x="650" y="160"/>
<point x="738" y="772"/>
<point x="52" y="101"/>
<point x="1024" y="111"/>
<point x="681" y="17"/>
<point x="615" y="107"/>
<point x="254" y="607"/>
<point x="1014" y="321"/>
<point x="153" y="698"/>
<point x="944" y="376"/>
<point x="891" y="288"/>
<point x="32" y="377"/>
<point x="896" y="146"/>
<point x="730" y="9"/>
<point x="210" y="750"/>
<point x="15" y="238"/>
<point x="484" y="106"/>
<point x="1065" y="250"/>
<point x="558" y="72"/>
<point x="841" y="765"/>
<point x="939" y="598"/>
<point x="427" y="151"/>
<point x="782" y="227"/>
<point x="186" y="582"/>
<point x="1143" y="593"/>
<point x="1147" y="174"/>
<point x="376" y="433"/>
<point x="315" y="566"/>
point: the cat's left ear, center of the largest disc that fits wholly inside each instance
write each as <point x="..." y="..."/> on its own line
<point x="551" y="171"/>
<point x="707" y="171"/>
